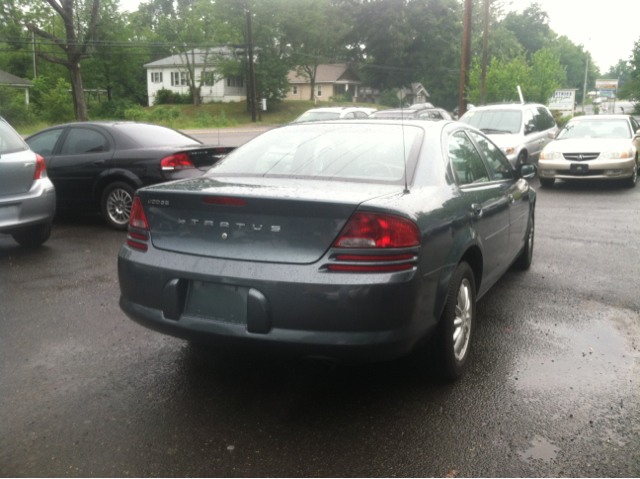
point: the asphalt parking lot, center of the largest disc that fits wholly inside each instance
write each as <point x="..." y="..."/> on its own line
<point x="553" y="388"/>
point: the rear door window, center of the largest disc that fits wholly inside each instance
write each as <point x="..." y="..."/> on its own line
<point x="544" y="119"/>
<point x="466" y="160"/>
<point x="529" y="122"/>
<point x="83" y="141"/>
<point x="44" y="143"/>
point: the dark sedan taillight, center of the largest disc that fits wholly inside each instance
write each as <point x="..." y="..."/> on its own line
<point x="138" y="227"/>
<point x="181" y="161"/>
<point x="375" y="231"/>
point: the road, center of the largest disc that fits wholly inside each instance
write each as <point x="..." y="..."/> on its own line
<point x="552" y="389"/>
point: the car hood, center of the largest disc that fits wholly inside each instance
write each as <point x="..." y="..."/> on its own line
<point x="589" y="145"/>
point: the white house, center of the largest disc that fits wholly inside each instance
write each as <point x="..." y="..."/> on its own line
<point x="171" y="74"/>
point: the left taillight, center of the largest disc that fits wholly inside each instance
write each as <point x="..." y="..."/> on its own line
<point x="181" y="161"/>
<point x="138" y="227"/>
<point x="41" y="168"/>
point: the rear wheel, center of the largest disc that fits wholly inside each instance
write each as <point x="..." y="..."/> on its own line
<point x="547" y="182"/>
<point x="116" y="203"/>
<point x="526" y="256"/>
<point x="522" y="159"/>
<point x="457" y="323"/>
<point x="32" y="236"/>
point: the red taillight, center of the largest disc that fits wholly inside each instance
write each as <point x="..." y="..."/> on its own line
<point x="137" y="219"/>
<point x="135" y="244"/>
<point x="41" y="168"/>
<point x="371" y="269"/>
<point x="222" y="200"/>
<point x="374" y="230"/>
<point x="353" y="257"/>
<point x="177" y="162"/>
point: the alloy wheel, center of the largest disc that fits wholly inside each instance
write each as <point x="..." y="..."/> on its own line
<point x="462" y="320"/>
<point x="119" y="205"/>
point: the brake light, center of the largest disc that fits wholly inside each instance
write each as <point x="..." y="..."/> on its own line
<point x="374" y="230"/>
<point x="41" y="168"/>
<point x="137" y="219"/>
<point x="177" y="162"/>
<point x="370" y="269"/>
<point x="222" y="200"/>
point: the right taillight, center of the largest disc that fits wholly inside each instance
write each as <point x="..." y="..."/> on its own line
<point x="375" y="230"/>
<point x="138" y="220"/>
<point x="181" y="161"/>
<point x="41" y="168"/>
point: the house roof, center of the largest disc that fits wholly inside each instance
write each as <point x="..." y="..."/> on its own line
<point x="200" y="55"/>
<point x="416" y="89"/>
<point x="329" y="73"/>
<point x="9" y="79"/>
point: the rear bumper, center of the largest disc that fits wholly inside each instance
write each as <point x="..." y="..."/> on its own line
<point x="305" y="312"/>
<point x="36" y="206"/>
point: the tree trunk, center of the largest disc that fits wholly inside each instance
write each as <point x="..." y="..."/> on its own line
<point x="77" y="90"/>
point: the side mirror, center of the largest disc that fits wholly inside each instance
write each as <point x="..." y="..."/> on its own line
<point x="528" y="171"/>
<point x="552" y="134"/>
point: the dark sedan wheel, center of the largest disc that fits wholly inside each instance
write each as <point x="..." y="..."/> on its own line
<point x="457" y="322"/>
<point x="117" y="200"/>
<point x="526" y="256"/>
<point x="32" y="236"/>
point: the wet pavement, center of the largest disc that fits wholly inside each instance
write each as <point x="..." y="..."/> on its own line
<point x="553" y="388"/>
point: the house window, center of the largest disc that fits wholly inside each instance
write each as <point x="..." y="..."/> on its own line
<point x="178" y="78"/>
<point x="156" y="77"/>
<point x="183" y="78"/>
<point x="235" y="81"/>
<point x="319" y="90"/>
<point x="208" y="78"/>
<point x="294" y="90"/>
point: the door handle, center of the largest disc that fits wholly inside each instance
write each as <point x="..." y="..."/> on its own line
<point x="476" y="209"/>
<point x="98" y="162"/>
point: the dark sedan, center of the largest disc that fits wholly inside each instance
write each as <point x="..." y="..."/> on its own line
<point x="358" y="243"/>
<point x="99" y="165"/>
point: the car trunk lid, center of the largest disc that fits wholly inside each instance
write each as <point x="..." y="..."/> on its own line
<point x="16" y="172"/>
<point x="265" y="219"/>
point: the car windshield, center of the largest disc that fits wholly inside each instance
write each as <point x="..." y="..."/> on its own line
<point x="360" y="152"/>
<point x="616" y="129"/>
<point x="317" y="116"/>
<point x="494" y="121"/>
<point x="149" y="136"/>
<point x="10" y="141"/>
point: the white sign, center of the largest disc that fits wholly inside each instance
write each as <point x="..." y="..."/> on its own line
<point x="563" y="100"/>
<point x="606" y="84"/>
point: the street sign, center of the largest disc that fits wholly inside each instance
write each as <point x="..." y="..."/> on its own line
<point x="607" y="93"/>
<point x="606" y="84"/>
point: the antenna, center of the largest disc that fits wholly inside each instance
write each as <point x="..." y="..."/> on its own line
<point x="404" y="148"/>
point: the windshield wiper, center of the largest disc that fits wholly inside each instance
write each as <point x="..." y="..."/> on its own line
<point x="492" y="130"/>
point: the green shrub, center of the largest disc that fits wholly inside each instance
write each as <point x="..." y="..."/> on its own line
<point x="390" y="98"/>
<point x="168" y="97"/>
<point x="13" y="107"/>
<point x="136" y="113"/>
<point x="346" y="97"/>
<point x="56" y="104"/>
<point x="111" y="110"/>
<point x="222" y="120"/>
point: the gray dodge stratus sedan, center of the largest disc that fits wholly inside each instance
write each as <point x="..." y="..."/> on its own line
<point x="27" y="196"/>
<point x="346" y="240"/>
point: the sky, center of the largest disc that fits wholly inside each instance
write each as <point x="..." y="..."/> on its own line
<point x="607" y="29"/>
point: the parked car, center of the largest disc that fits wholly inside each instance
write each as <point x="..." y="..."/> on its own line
<point x="456" y="110"/>
<point x="433" y="114"/>
<point x="521" y="130"/>
<point x="99" y="165"/>
<point x="334" y="113"/>
<point x="27" y="196"/>
<point x="593" y="147"/>
<point x="363" y="241"/>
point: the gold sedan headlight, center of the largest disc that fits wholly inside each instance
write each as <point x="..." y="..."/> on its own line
<point x="615" y="155"/>
<point x="551" y="155"/>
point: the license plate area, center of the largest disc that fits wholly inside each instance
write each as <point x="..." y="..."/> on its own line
<point x="216" y="301"/>
<point x="579" y="168"/>
<point x="9" y="213"/>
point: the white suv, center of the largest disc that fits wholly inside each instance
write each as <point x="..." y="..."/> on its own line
<point x="334" y="113"/>
<point x="521" y="130"/>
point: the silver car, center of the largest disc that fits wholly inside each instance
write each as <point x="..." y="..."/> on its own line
<point x="27" y="196"/>
<point x="521" y="130"/>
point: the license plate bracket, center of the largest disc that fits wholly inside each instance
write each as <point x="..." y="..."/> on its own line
<point x="579" y="168"/>
<point x="220" y="302"/>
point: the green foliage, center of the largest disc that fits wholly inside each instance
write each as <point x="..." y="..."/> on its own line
<point x="56" y="104"/>
<point x="346" y="97"/>
<point x="389" y="98"/>
<point x="111" y="110"/>
<point x="13" y="107"/>
<point x="531" y="28"/>
<point x="168" y="97"/>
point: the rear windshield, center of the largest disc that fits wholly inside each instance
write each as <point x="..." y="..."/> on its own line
<point x="617" y="129"/>
<point x="10" y="141"/>
<point x="318" y="116"/>
<point x="149" y="136"/>
<point x="359" y="152"/>
<point x="494" y="121"/>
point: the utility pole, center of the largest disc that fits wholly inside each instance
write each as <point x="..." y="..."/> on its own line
<point x="466" y="58"/>
<point x="584" y="88"/>
<point x="252" y="77"/>
<point x="485" y="52"/>
<point x="35" y="63"/>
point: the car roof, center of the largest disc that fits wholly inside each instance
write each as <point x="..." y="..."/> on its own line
<point x="600" y="117"/>
<point x="339" y="108"/>
<point x="507" y="106"/>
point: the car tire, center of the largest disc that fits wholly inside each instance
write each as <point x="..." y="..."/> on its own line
<point x="32" y="236"/>
<point x="547" y="182"/>
<point x="633" y="179"/>
<point x="457" y="323"/>
<point x="117" y="199"/>
<point x="524" y="260"/>
<point x="522" y="159"/>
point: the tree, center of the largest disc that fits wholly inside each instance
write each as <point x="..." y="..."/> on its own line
<point x="81" y="33"/>
<point x="531" y="28"/>
<point x="631" y="89"/>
